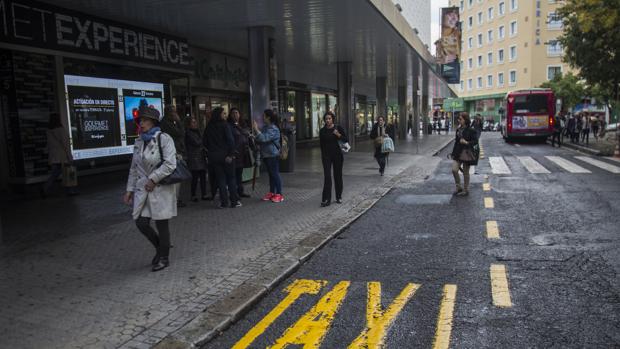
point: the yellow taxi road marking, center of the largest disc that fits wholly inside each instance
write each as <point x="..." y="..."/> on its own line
<point x="311" y="328"/>
<point x="444" y="322"/>
<point x="499" y="286"/>
<point x="492" y="230"/>
<point x="377" y="320"/>
<point x="294" y="290"/>
<point x="486" y="186"/>
<point x="488" y="202"/>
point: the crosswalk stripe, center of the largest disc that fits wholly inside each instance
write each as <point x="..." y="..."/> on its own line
<point x="498" y="165"/>
<point x="600" y="164"/>
<point x="567" y="165"/>
<point x="532" y="165"/>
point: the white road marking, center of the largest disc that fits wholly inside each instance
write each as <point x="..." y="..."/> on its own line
<point x="598" y="163"/>
<point x="498" y="165"/>
<point x="567" y="165"/>
<point x="532" y="165"/>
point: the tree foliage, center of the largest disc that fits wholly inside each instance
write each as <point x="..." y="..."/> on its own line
<point x="568" y="88"/>
<point x="591" y="41"/>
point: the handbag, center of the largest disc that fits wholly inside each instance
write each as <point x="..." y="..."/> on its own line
<point x="181" y="172"/>
<point x="69" y="176"/>
<point x="388" y="145"/>
<point x="467" y="155"/>
<point x="344" y="146"/>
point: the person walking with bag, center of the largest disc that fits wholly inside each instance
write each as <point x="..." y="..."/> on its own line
<point x="242" y="143"/>
<point x="59" y="155"/>
<point x="331" y="138"/>
<point x="196" y="158"/>
<point x="463" y="154"/>
<point x="268" y="140"/>
<point x="221" y="152"/>
<point x="378" y="133"/>
<point x="154" y="159"/>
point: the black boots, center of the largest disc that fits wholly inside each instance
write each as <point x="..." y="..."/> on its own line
<point x="162" y="263"/>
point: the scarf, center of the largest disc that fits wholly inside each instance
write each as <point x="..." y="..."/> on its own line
<point x="148" y="136"/>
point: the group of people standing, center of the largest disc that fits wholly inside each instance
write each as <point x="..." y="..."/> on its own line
<point x="577" y="127"/>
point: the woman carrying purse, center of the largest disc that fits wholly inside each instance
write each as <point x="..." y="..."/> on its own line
<point x="463" y="154"/>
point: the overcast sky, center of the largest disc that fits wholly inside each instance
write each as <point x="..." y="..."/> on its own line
<point x="435" y="6"/>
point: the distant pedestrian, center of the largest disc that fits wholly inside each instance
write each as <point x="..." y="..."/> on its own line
<point x="269" y="141"/>
<point x="477" y="125"/>
<point x="171" y="124"/>
<point x="557" y="132"/>
<point x="585" y="131"/>
<point x="463" y="155"/>
<point x="571" y="127"/>
<point x="378" y="133"/>
<point x="221" y="152"/>
<point x="579" y="127"/>
<point x="241" y="134"/>
<point x="151" y="200"/>
<point x="331" y="136"/>
<point x="595" y="127"/>
<point x="58" y="153"/>
<point x="410" y="124"/>
<point x="196" y="155"/>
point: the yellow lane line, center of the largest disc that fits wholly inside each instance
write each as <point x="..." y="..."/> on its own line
<point x="492" y="230"/>
<point x="488" y="202"/>
<point x="444" y="322"/>
<point x="499" y="286"/>
<point x="486" y="186"/>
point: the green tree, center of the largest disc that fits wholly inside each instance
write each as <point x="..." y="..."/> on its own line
<point x="568" y="88"/>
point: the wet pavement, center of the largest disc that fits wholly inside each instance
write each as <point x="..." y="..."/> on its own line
<point x="530" y="259"/>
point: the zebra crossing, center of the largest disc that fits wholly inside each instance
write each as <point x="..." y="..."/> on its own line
<point x="571" y="164"/>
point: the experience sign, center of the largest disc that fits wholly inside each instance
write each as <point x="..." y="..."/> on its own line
<point x="45" y="26"/>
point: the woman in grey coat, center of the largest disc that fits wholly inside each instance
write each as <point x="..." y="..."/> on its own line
<point x="196" y="158"/>
<point x="153" y="201"/>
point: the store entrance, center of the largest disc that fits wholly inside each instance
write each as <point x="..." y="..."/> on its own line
<point x="204" y="104"/>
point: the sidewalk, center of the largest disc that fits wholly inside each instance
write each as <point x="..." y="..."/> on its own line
<point x="603" y="146"/>
<point x="75" y="272"/>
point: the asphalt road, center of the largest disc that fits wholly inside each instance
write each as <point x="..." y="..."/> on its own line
<point x="535" y="268"/>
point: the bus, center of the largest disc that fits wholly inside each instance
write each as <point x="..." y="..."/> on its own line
<point x="529" y="114"/>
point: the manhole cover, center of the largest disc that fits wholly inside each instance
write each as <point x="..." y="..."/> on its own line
<point x="436" y="199"/>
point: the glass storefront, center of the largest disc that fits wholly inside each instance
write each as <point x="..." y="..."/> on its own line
<point x="319" y="107"/>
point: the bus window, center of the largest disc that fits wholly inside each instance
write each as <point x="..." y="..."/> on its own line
<point x="531" y="103"/>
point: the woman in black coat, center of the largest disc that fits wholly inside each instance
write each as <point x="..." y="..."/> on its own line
<point x="466" y="139"/>
<point x="378" y="132"/>
<point x="241" y="134"/>
<point x="330" y="137"/>
<point x="196" y="158"/>
<point x="220" y="144"/>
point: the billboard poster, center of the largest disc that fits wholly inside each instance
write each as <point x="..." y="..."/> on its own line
<point x="133" y="101"/>
<point x="93" y="112"/>
<point x="449" y="45"/>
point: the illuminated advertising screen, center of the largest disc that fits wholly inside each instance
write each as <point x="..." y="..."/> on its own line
<point x="103" y="114"/>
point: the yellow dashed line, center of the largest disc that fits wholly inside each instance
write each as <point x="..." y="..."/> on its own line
<point x="444" y="322"/>
<point x="492" y="230"/>
<point x="486" y="186"/>
<point x="499" y="286"/>
<point x="488" y="202"/>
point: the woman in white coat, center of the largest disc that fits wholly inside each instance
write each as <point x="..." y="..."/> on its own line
<point x="153" y="201"/>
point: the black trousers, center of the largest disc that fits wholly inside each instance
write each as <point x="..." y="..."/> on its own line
<point x="212" y="179"/>
<point x="226" y="182"/>
<point x="161" y="241"/>
<point x="556" y="135"/>
<point x="200" y="175"/>
<point x="239" y="180"/>
<point x="380" y="158"/>
<point x="585" y="135"/>
<point x="336" y="163"/>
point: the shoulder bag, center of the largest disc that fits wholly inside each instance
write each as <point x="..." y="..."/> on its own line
<point x="181" y="172"/>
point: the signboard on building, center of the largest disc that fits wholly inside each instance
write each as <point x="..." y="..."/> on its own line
<point x="218" y="71"/>
<point x="449" y="45"/>
<point x="36" y="24"/>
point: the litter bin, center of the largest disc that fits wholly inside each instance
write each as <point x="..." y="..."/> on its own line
<point x="288" y="165"/>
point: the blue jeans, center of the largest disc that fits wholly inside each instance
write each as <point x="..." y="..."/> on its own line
<point x="273" y="167"/>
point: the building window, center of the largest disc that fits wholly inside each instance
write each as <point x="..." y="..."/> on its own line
<point x="470" y="63"/>
<point x="469" y="84"/>
<point x="500" y="79"/>
<point x="514" y="4"/>
<point x="512" y="78"/>
<point x="489" y="81"/>
<point x="461" y="6"/>
<point x="500" y="33"/>
<point x="513" y="28"/>
<point x="490" y="13"/>
<point x="470" y="3"/>
<point x="490" y="36"/>
<point x="462" y="85"/>
<point x="479" y="40"/>
<point x="470" y="42"/>
<point x="554" y="48"/>
<point x="479" y="18"/>
<point x="480" y="61"/>
<point x="489" y="58"/>
<point x="501" y="9"/>
<point x="470" y="22"/>
<point x="554" y="21"/>
<point x="500" y="55"/>
<point x="512" y="53"/>
<point x="553" y="71"/>
<point x="479" y="82"/>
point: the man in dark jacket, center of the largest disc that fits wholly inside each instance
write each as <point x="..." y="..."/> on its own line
<point x="221" y="152"/>
<point x="171" y="124"/>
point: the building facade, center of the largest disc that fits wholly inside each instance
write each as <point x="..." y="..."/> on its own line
<point x="507" y="45"/>
<point x="418" y="15"/>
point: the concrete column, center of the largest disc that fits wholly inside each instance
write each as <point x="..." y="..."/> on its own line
<point x="381" y="97"/>
<point x="346" y="108"/>
<point x="402" y="112"/>
<point x="262" y="71"/>
<point x="425" y="94"/>
<point x="416" y="94"/>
